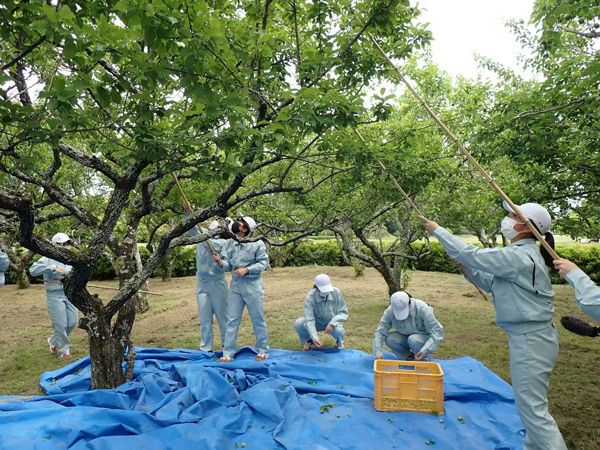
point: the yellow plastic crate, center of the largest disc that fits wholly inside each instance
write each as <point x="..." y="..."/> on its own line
<point x="409" y="386"/>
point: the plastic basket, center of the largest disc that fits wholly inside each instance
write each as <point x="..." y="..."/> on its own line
<point x="409" y="386"/>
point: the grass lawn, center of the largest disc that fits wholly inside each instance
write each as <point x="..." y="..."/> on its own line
<point x="468" y="326"/>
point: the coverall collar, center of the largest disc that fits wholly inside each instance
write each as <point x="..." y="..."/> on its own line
<point x="526" y="241"/>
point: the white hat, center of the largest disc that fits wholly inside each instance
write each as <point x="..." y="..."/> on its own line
<point x="213" y="225"/>
<point x="323" y="283"/>
<point x="251" y="223"/>
<point x="60" y="238"/>
<point x="399" y="301"/>
<point x="534" y="212"/>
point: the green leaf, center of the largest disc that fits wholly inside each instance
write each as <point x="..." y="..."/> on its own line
<point x="311" y="93"/>
<point x="149" y="8"/>
<point x="122" y="6"/>
<point x="149" y="34"/>
<point x="66" y="13"/>
<point x="40" y="26"/>
<point x="70" y="49"/>
<point x="593" y="69"/>
<point x="103" y="96"/>
<point x="563" y="8"/>
<point x="52" y="123"/>
<point x="50" y="13"/>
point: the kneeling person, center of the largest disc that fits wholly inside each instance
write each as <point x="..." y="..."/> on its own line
<point x="417" y="330"/>
<point x="324" y="310"/>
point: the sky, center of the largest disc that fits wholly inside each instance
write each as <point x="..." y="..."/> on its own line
<point x="463" y="27"/>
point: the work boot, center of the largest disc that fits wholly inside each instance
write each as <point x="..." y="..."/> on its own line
<point x="310" y="345"/>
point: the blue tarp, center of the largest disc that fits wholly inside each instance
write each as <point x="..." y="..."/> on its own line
<point x="185" y="399"/>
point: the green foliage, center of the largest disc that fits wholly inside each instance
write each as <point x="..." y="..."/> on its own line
<point x="587" y="257"/>
<point x="184" y="265"/>
<point x="104" y="270"/>
<point x="436" y="261"/>
<point x="321" y="254"/>
<point x="359" y="267"/>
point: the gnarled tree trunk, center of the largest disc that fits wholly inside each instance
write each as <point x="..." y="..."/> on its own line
<point x="107" y="347"/>
<point x="18" y="265"/>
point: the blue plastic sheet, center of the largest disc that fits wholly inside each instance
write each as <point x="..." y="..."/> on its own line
<point x="185" y="399"/>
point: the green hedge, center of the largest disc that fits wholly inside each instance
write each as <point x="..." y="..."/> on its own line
<point x="319" y="253"/>
<point x="328" y="254"/>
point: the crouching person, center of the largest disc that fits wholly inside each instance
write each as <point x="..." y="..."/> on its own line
<point x="324" y="310"/>
<point x="418" y="333"/>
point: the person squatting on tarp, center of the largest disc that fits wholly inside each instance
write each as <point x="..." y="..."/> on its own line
<point x="211" y="289"/>
<point x="246" y="261"/>
<point x="522" y="294"/>
<point x="63" y="314"/>
<point x="586" y="291"/>
<point x="4" y="263"/>
<point x="418" y="333"/>
<point x="324" y="310"/>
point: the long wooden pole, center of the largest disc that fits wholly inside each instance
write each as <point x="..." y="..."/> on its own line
<point x="419" y="213"/>
<point x="188" y="206"/>
<point x="106" y="287"/>
<point x="454" y="139"/>
<point x="410" y="202"/>
<point x="16" y="399"/>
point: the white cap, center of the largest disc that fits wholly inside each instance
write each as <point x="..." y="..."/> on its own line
<point x="60" y="238"/>
<point x="534" y="212"/>
<point x="323" y="283"/>
<point x="251" y="223"/>
<point x="213" y="225"/>
<point x="399" y="301"/>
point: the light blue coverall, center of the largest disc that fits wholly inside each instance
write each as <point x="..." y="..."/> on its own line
<point x="419" y="332"/>
<point x="63" y="314"/>
<point x="519" y="281"/>
<point x="320" y="312"/>
<point x="211" y="291"/>
<point x="4" y="263"/>
<point x="586" y="293"/>
<point x="247" y="290"/>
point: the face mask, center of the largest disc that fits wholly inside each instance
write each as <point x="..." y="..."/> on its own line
<point x="323" y="294"/>
<point x="235" y="227"/>
<point x="68" y="247"/>
<point x="507" y="228"/>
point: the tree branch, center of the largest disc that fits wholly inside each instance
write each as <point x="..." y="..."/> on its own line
<point x="535" y="113"/>
<point x="23" y="54"/>
<point x="591" y="34"/>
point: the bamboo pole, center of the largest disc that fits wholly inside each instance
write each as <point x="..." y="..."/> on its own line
<point x="410" y="202"/>
<point x="106" y="287"/>
<point x="16" y="399"/>
<point x="454" y="139"/>
<point x="188" y="206"/>
<point x="419" y="212"/>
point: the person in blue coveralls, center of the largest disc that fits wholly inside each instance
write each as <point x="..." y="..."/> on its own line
<point x="246" y="261"/>
<point x="418" y="333"/>
<point x="586" y="291"/>
<point x="211" y="289"/>
<point x="324" y="310"/>
<point x="4" y="263"/>
<point x="63" y="314"/>
<point x="519" y="281"/>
